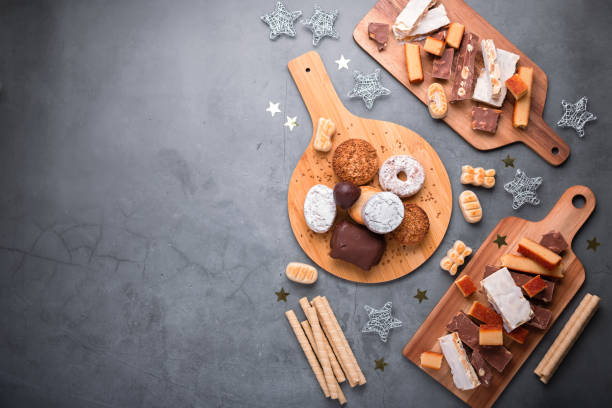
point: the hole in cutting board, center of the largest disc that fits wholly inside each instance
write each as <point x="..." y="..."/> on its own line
<point x="555" y="150"/>
<point x="579" y="201"/>
<point x="307" y="69"/>
<point x="402" y="176"/>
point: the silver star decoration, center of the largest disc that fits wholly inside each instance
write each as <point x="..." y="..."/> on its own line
<point x="523" y="189"/>
<point x="368" y="87"/>
<point x="281" y="21"/>
<point x="380" y="321"/>
<point x="321" y="24"/>
<point x="575" y="115"/>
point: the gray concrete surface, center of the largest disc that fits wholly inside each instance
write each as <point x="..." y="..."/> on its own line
<point x="143" y="222"/>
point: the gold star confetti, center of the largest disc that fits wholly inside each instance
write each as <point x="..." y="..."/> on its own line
<point x="500" y="240"/>
<point x="282" y="295"/>
<point x="508" y="161"/>
<point x="593" y="244"/>
<point x="380" y="364"/>
<point x="421" y="295"/>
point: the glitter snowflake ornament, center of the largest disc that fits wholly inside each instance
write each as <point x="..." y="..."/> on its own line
<point x="281" y="21"/>
<point x="523" y="189"/>
<point x="380" y="321"/>
<point x="321" y="24"/>
<point x="575" y="115"/>
<point x="368" y="87"/>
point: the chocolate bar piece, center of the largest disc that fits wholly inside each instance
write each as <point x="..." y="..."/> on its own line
<point x="379" y="32"/>
<point x="554" y="241"/>
<point x="442" y="66"/>
<point x="520" y="279"/>
<point x="357" y="245"/>
<point x="485" y="119"/>
<point x="464" y="70"/>
<point x="541" y="317"/>
<point x="498" y="357"/>
<point x="483" y="370"/>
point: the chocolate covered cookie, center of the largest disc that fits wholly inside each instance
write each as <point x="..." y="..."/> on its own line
<point x="355" y="161"/>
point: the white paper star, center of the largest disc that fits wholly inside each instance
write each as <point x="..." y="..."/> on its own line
<point x="342" y="62"/>
<point x="380" y="321"/>
<point x="523" y="189"/>
<point x="281" y="21"/>
<point x="291" y="123"/>
<point x="273" y="108"/>
<point x="575" y="115"/>
<point x="368" y="87"/>
<point x="321" y="24"/>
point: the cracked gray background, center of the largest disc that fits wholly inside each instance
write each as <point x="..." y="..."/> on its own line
<point x="143" y="219"/>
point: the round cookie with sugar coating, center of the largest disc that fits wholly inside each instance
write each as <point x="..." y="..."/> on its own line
<point x="320" y="208"/>
<point x="389" y="179"/>
<point x="383" y="212"/>
<point x="355" y="160"/>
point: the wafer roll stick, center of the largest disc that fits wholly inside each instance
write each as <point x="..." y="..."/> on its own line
<point x="341" y="397"/>
<point x="361" y="377"/>
<point x="335" y="339"/>
<point x="332" y="357"/>
<point x="312" y="359"/>
<point x="568" y="336"/>
<point x="320" y="349"/>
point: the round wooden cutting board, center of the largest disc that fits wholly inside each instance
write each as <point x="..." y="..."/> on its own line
<point x="389" y="139"/>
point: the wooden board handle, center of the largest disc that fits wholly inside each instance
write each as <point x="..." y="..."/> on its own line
<point x="569" y="218"/>
<point x="314" y="84"/>
<point x="545" y="142"/>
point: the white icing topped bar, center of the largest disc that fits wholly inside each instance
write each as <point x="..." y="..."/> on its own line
<point x="410" y="17"/>
<point x="432" y="20"/>
<point x="507" y="66"/>
<point x="464" y="376"/>
<point x="507" y="299"/>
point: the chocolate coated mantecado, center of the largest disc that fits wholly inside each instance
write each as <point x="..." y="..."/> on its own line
<point x="357" y="245"/>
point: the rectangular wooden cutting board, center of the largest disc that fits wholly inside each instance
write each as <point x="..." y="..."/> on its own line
<point x="564" y="217"/>
<point x="538" y="135"/>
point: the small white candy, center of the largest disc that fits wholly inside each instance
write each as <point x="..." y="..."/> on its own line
<point x="320" y="208"/>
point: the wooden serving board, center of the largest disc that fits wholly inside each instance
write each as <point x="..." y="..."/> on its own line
<point x="538" y="135"/>
<point x="389" y="139"/>
<point x="564" y="217"/>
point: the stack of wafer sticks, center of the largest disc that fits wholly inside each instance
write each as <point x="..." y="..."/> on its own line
<point x="326" y="349"/>
<point x="567" y="337"/>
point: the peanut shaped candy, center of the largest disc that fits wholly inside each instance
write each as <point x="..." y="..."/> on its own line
<point x="301" y="273"/>
<point x="436" y="101"/>
<point x="470" y="206"/>
<point x="455" y="257"/>
<point x="478" y="176"/>
<point x="323" y="138"/>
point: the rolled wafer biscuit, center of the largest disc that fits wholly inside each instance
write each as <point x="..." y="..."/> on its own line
<point x="360" y="376"/>
<point x="320" y="349"/>
<point x="335" y="339"/>
<point x="567" y="337"/>
<point x="332" y="357"/>
<point x="312" y="359"/>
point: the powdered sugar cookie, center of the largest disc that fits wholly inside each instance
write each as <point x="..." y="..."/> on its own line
<point x="320" y="208"/>
<point x="383" y="212"/>
<point x="389" y="180"/>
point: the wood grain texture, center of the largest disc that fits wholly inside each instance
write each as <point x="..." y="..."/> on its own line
<point x="538" y="135"/>
<point x="389" y="139"/>
<point x="564" y="217"/>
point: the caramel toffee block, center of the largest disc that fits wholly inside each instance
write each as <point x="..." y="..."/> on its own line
<point x="434" y="46"/>
<point x="528" y="265"/>
<point x="465" y="285"/>
<point x="379" y="32"/>
<point x="520" y="115"/>
<point x="520" y="279"/>
<point x="534" y="286"/>
<point x="490" y="335"/>
<point x="485" y="119"/>
<point x="413" y="62"/>
<point x="519" y="334"/>
<point x="541" y="317"/>
<point x="498" y="357"/>
<point x="554" y="241"/>
<point x="442" y="66"/>
<point x="482" y="368"/>
<point x="538" y="253"/>
<point x="455" y="34"/>
<point x="463" y="85"/>
<point x="431" y="360"/>
<point x="357" y="245"/>
<point x="484" y="314"/>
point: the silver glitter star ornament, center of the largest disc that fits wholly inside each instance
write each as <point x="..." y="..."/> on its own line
<point x="368" y="87"/>
<point x="281" y="21"/>
<point x="575" y="115"/>
<point x="380" y="321"/>
<point x="321" y="24"/>
<point x="523" y="189"/>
